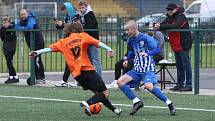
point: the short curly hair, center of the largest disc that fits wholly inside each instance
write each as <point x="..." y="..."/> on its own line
<point x="73" y="27"/>
<point x="6" y="18"/>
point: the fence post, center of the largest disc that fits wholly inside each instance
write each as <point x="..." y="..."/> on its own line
<point x="118" y="38"/>
<point x="196" y="62"/>
<point x="32" y="67"/>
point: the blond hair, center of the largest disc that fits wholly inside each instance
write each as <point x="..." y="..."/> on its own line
<point x="82" y="2"/>
<point x="131" y="24"/>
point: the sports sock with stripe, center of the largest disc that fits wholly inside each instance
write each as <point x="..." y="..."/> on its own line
<point x="157" y="92"/>
<point x="127" y="91"/>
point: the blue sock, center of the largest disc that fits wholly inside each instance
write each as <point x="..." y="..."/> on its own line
<point x="127" y="91"/>
<point x="157" y="92"/>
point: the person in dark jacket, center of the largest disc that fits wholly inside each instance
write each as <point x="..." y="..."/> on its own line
<point x="89" y="21"/>
<point x="119" y="66"/>
<point x="181" y="44"/>
<point x="70" y="16"/>
<point x="9" y="48"/>
<point x="28" y="21"/>
<point x="160" y="39"/>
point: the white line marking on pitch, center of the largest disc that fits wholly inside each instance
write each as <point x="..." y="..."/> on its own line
<point x="125" y="105"/>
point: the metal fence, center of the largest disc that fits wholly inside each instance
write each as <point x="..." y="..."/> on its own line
<point x="110" y="30"/>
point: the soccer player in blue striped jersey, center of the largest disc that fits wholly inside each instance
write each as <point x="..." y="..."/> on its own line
<point x="143" y="48"/>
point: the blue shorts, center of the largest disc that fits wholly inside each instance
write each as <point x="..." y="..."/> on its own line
<point x="138" y="77"/>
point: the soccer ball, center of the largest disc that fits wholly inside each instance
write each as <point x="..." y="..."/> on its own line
<point x="95" y="108"/>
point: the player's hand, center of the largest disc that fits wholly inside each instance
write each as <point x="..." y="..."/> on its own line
<point x="59" y="23"/>
<point x="33" y="54"/>
<point x="157" y="25"/>
<point x="125" y="64"/>
<point x="143" y="54"/>
<point x="110" y="53"/>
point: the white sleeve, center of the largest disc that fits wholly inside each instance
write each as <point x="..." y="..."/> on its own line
<point x="104" y="46"/>
<point x="45" y="50"/>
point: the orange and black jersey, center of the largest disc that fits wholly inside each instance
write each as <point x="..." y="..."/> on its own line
<point x="74" y="49"/>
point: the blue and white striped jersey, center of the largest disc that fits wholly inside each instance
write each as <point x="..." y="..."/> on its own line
<point x="142" y="43"/>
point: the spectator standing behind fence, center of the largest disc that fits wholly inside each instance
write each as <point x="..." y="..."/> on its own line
<point x="181" y="44"/>
<point x="89" y="21"/>
<point x="9" y="48"/>
<point x="70" y="16"/>
<point x="28" y="21"/>
<point x="160" y="38"/>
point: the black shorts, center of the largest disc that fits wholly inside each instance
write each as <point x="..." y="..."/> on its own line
<point x="90" y="80"/>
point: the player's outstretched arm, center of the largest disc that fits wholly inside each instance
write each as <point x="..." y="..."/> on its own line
<point x="110" y="51"/>
<point x="38" y="52"/>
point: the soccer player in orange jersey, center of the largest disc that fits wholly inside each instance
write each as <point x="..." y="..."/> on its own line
<point x="74" y="49"/>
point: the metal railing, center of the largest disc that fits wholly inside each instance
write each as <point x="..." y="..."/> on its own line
<point x="110" y="33"/>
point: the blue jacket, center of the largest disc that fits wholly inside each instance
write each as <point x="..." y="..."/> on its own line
<point x="71" y="14"/>
<point x="31" y="23"/>
<point x="28" y="23"/>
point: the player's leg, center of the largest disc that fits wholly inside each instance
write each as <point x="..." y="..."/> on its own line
<point x="149" y="81"/>
<point x="81" y="80"/>
<point x="109" y="105"/>
<point x="125" y="88"/>
<point x="130" y="67"/>
<point x="101" y="93"/>
<point x="91" y="80"/>
<point x="103" y="98"/>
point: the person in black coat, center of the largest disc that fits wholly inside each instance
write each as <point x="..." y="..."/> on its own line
<point x="181" y="44"/>
<point x="119" y="66"/>
<point x="9" y="48"/>
<point x="28" y="21"/>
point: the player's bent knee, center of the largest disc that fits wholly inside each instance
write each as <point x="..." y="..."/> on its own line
<point x="106" y="93"/>
<point x="120" y="82"/>
<point x="148" y="86"/>
<point x="123" y="80"/>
